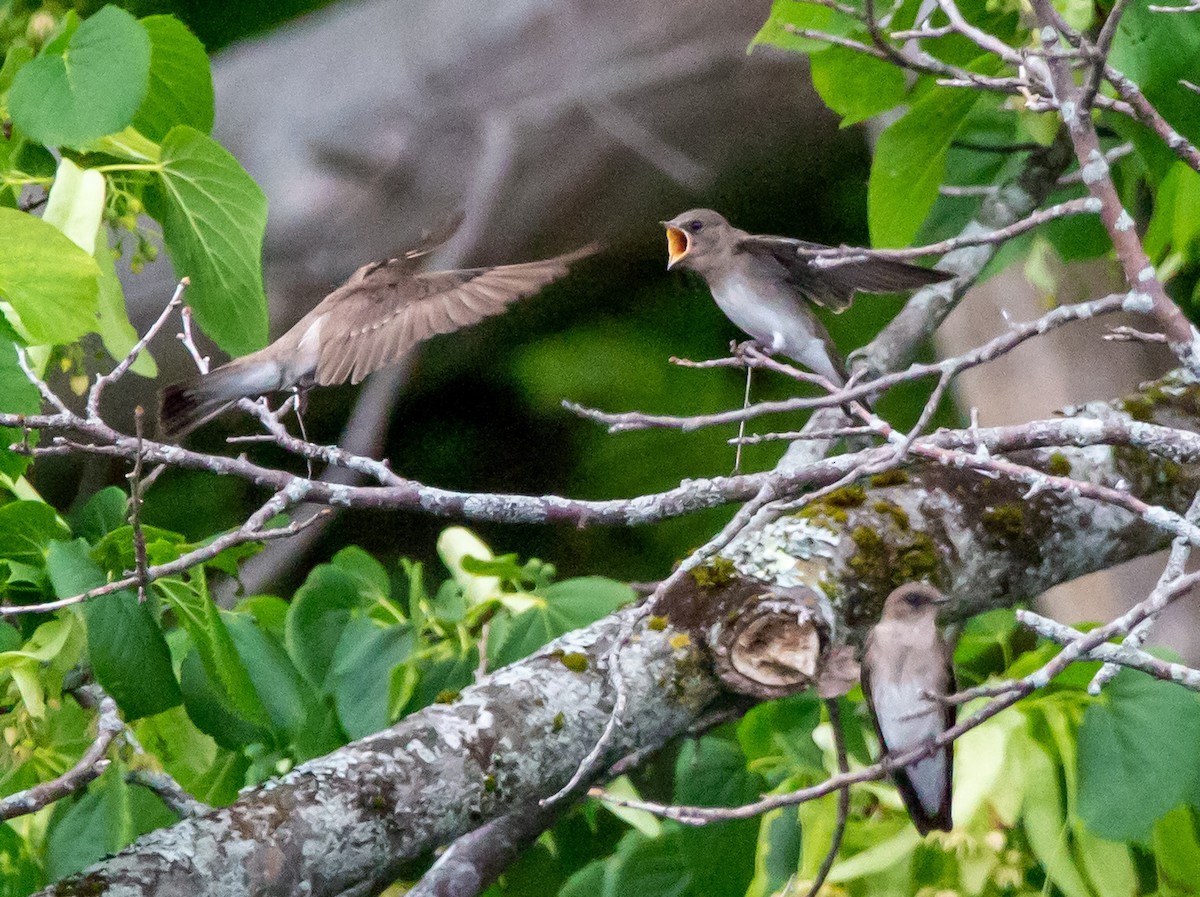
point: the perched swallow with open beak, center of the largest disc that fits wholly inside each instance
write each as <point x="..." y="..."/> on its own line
<point x="383" y="311"/>
<point x="906" y="667"/>
<point x="761" y="283"/>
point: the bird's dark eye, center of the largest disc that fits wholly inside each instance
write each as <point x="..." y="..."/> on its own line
<point x="915" y="600"/>
<point x="695" y="226"/>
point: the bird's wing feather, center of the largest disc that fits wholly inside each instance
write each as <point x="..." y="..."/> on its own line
<point x="383" y="311"/>
<point x="834" y="287"/>
<point x="925" y="786"/>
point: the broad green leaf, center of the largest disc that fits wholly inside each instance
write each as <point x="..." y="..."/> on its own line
<point x="213" y="217"/>
<point x="14" y="60"/>
<point x="105" y="819"/>
<point x="183" y="750"/>
<point x="278" y="683"/>
<point x="91" y="87"/>
<point x="856" y="86"/>
<point x="320" y="610"/>
<point x="1174" y="224"/>
<point x="712" y="771"/>
<point x="372" y="578"/>
<point x="909" y="162"/>
<point x="361" y="673"/>
<point x="1045" y="820"/>
<point x="211" y="711"/>
<point x="23" y="868"/>
<point x="198" y="615"/>
<point x="1123" y="787"/>
<point x="49" y="281"/>
<point x="777" y="737"/>
<point x="1177" y="848"/>
<point x="17" y="396"/>
<point x="27" y="529"/>
<point x="181" y="91"/>
<point x="791" y="14"/>
<point x="564" y="607"/>
<point x="128" y="653"/>
<point x="112" y="322"/>
<point x="656" y="867"/>
<point x="587" y="882"/>
<point x="1108" y="865"/>
<point x="1156" y="51"/>
<point x="76" y="203"/>
<point x="104" y="512"/>
<point x="777" y="854"/>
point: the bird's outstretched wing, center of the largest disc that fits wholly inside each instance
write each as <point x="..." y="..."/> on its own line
<point x="384" y="310"/>
<point x="834" y="287"/>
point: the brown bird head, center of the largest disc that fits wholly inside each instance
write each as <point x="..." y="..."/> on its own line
<point x="913" y="601"/>
<point x="694" y="237"/>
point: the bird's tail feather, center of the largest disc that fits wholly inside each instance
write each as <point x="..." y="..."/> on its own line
<point x="185" y="406"/>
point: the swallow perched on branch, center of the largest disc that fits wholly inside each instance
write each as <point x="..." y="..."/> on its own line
<point x="906" y="668"/>
<point x="383" y="311"/>
<point x="762" y="283"/>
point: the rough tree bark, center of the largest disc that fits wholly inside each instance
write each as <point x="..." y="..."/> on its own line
<point x="758" y="619"/>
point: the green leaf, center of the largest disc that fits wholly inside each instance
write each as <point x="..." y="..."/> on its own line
<point x="202" y="621"/>
<point x="1156" y="51"/>
<point x="107" y="818"/>
<point x="1124" y="788"/>
<point x="103" y="512"/>
<point x="362" y="668"/>
<point x="50" y="282"/>
<point x="211" y="711"/>
<point x="185" y="752"/>
<point x="446" y="671"/>
<point x="656" y="867"/>
<point x="91" y="87"/>
<point x="14" y="60"/>
<point x="712" y="771"/>
<point x="320" y="611"/>
<point x="564" y="607"/>
<point x="777" y="736"/>
<point x="368" y="573"/>
<point x="777" y="855"/>
<point x="856" y="86"/>
<point x="1174" y="224"/>
<point x="128" y="653"/>
<point x="910" y="161"/>
<point x="1177" y="848"/>
<point x="279" y="685"/>
<point x="17" y="396"/>
<point x="27" y="529"/>
<point x="181" y="91"/>
<point x="213" y="217"/>
<point x="790" y="14"/>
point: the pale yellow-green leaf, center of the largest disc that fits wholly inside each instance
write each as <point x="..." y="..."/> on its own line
<point x="1108" y="864"/>
<point x="646" y="823"/>
<point x="878" y="857"/>
<point x="458" y="542"/>
<point x="76" y="203"/>
<point x="116" y="332"/>
<point x="978" y="762"/>
<point x="29" y="686"/>
<point x="1045" y="821"/>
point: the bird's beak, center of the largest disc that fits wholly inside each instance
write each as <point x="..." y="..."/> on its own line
<point x="942" y="599"/>
<point x="677" y="245"/>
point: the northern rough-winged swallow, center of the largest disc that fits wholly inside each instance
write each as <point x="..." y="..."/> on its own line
<point x="371" y="321"/>
<point x="906" y="667"/>
<point x="761" y="283"/>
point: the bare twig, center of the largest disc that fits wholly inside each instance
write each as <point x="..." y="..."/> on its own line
<point x="89" y="766"/>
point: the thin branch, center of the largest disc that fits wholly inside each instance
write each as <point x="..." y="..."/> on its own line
<point x="843" y="809"/>
<point x="141" y="566"/>
<point x="88" y="768"/>
<point x="169" y="791"/>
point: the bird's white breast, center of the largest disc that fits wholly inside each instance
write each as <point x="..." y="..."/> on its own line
<point x="769" y="319"/>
